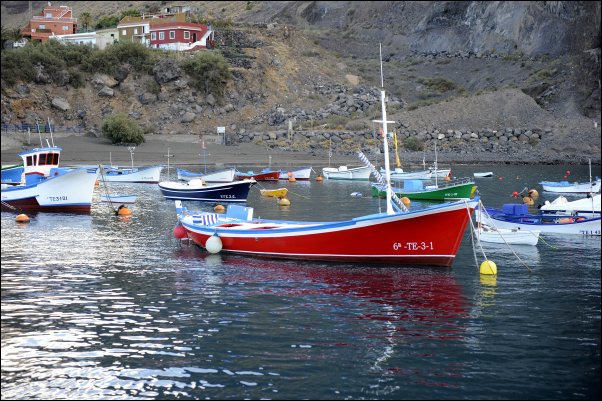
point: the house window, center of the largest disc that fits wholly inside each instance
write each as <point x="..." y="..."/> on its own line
<point x="161" y="35"/>
<point x="186" y="35"/>
<point x="172" y="34"/>
<point x="65" y="27"/>
<point x="124" y="32"/>
<point x="153" y="35"/>
<point x="48" y="15"/>
<point x="42" y="26"/>
<point x="135" y="31"/>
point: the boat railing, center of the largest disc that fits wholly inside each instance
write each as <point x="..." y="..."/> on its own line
<point x="444" y="184"/>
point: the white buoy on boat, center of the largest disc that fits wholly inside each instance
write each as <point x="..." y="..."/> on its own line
<point x="213" y="244"/>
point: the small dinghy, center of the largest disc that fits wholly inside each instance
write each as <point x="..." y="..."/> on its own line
<point x="278" y="193"/>
<point x="118" y="198"/>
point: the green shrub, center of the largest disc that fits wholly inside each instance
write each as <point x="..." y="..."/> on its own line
<point x="439" y="84"/>
<point x="210" y="73"/>
<point x="413" y="144"/>
<point x="76" y="78"/>
<point x="120" y="129"/>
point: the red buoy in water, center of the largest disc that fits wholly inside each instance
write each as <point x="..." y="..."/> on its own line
<point x="179" y="231"/>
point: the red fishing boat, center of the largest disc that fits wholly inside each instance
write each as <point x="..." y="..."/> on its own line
<point x="265" y="175"/>
<point x="399" y="236"/>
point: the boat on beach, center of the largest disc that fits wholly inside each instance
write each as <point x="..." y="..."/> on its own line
<point x="398" y="236"/>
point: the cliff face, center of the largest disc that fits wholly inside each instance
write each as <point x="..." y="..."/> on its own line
<point x="532" y="27"/>
<point x="316" y="63"/>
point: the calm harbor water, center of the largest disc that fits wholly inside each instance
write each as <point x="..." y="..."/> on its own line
<point x="102" y="307"/>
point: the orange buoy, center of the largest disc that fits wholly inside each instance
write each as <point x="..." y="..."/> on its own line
<point x="515" y="194"/>
<point x="22" y="218"/>
<point x="97" y="183"/>
<point x="405" y="200"/>
<point x="446" y="178"/>
<point x="319" y="178"/>
<point x="124" y="211"/>
<point x="292" y="179"/>
<point x="528" y="200"/>
<point x="219" y="208"/>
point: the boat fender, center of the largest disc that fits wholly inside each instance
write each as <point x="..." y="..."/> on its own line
<point x="213" y="244"/>
<point x="179" y="231"/>
<point x="284" y="202"/>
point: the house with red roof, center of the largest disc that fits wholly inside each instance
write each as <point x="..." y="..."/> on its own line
<point x="52" y="21"/>
<point x="180" y="36"/>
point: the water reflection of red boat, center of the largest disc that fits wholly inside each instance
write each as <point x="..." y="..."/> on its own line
<point x="425" y="295"/>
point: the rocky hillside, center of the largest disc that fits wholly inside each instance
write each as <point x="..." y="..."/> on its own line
<point x="517" y="79"/>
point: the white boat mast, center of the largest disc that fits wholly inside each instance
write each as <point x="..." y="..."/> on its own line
<point x="384" y="123"/>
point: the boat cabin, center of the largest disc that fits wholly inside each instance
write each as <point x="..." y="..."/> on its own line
<point x="40" y="163"/>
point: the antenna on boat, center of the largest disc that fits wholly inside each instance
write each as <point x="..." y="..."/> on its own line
<point x="39" y="133"/>
<point x="329" y="150"/>
<point x="50" y="129"/>
<point x="384" y="123"/>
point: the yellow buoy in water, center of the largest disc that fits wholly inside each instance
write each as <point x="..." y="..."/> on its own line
<point x="284" y="202"/>
<point x="319" y="178"/>
<point x="124" y="211"/>
<point x="405" y="200"/>
<point x="527" y="200"/>
<point x="488" y="267"/>
<point x="22" y="218"/>
<point x="219" y="208"/>
<point x="533" y="194"/>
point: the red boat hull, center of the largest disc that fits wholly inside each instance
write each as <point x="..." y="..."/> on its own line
<point x="423" y="238"/>
<point x="271" y="176"/>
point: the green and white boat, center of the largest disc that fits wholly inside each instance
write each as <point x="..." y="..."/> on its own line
<point x="461" y="188"/>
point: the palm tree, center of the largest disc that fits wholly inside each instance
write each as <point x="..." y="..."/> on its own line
<point x="86" y="20"/>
